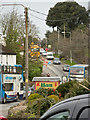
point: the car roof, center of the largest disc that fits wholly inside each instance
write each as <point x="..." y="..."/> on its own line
<point x="71" y="99"/>
<point x="68" y="104"/>
<point x="66" y="65"/>
<point x="56" y="58"/>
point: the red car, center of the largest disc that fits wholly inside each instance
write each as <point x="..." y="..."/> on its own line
<point x="3" y="118"/>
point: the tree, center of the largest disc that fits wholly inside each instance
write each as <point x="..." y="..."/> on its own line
<point x="69" y="13"/>
<point x="13" y="26"/>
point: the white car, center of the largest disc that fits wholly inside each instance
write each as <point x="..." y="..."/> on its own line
<point x="44" y="53"/>
<point x="50" y="56"/>
<point x="41" y="50"/>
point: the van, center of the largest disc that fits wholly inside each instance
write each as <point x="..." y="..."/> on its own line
<point x="50" y="56"/>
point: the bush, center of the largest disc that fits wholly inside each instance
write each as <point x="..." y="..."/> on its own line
<point x="35" y="69"/>
<point x="41" y="104"/>
<point x="56" y="98"/>
<point x="46" y="92"/>
<point x="34" y="96"/>
<point x="64" y="88"/>
<point x="76" y="89"/>
<point x="72" y="88"/>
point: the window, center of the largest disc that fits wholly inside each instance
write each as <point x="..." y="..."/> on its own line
<point x="1" y="59"/>
<point x="6" y="59"/>
<point x="21" y="86"/>
<point x="19" y="70"/>
<point x="59" y="116"/>
<point x="8" y="86"/>
<point x="85" y="114"/>
<point x="11" y="69"/>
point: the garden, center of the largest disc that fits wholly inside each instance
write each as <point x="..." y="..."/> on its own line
<point x="42" y="99"/>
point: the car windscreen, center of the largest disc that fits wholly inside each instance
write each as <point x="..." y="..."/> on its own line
<point x="56" y="59"/>
<point x="76" y="70"/>
<point x="50" y="55"/>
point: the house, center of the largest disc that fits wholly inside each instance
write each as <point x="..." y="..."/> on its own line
<point x="7" y="56"/>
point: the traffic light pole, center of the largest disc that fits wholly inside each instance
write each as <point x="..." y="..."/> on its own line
<point x="26" y="53"/>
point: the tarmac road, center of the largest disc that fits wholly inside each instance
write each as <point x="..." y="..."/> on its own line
<point x="5" y="107"/>
<point x="54" y="70"/>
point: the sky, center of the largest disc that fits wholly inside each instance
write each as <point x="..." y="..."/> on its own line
<point x="42" y="6"/>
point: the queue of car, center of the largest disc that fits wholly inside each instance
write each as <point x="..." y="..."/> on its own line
<point x="49" y="56"/>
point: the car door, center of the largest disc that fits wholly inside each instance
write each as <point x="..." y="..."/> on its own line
<point x="60" y="111"/>
<point x="82" y="109"/>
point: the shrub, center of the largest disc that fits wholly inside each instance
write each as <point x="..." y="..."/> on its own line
<point x="46" y="92"/>
<point x="56" y="98"/>
<point x="76" y="89"/>
<point x="34" y="96"/>
<point x="35" y="69"/>
<point x="41" y="104"/>
<point x="64" y="88"/>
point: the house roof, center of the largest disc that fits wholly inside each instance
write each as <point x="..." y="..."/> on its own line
<point x="46" y="79"/>
<point x="4" y="50"/>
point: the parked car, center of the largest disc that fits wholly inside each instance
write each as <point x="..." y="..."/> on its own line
<point x="66" y="68"/>
<point x="56" y="61"/>
<point x="75" y="108"/>
<point x="50" y="56"/>
<point x="3" y="118"/>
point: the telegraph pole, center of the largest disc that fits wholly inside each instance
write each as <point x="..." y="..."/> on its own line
<point x="64" y="32"/>
<point x="26" y="44"/>
<point x="26" y="52"/>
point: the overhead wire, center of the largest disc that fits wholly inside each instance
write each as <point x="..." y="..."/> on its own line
<point x="37" y="11"/>
<point x="52" y="20"/>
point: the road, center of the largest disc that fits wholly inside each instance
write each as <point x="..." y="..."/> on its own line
<point x="54" y="70"/>
<point x="5" y="107"/>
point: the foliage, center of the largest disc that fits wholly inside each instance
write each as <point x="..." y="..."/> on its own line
<point x="13" y="26"/>
<point x="56" y="55"/>
<point x="76" y="89"/>
<point x="69" y="13"/>
<point x="46" y="92"/>
<point x="34" y="96"/>
<point x="68" y="62"/>
<point x="73" y="88"/>
<point x="64" y="88"/>
<point x="21" y="115"/>
<point x="35" y="69"/>
<point x="56" y="98"/>
<point x="41" y="105"/>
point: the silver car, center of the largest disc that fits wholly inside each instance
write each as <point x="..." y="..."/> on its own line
<point x="66" y="68"/>
<point x="56" y="61"/>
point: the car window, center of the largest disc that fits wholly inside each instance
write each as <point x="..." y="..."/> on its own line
<point x="85" y="114"/>
<point x="61" y="116"/>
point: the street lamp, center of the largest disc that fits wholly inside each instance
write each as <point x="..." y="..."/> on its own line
<point x="70" y="46"/>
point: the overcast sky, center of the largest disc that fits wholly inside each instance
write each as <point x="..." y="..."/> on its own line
<point x="38" y="5"/>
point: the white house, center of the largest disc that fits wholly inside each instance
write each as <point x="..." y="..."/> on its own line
<point x="7" y="56"/>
